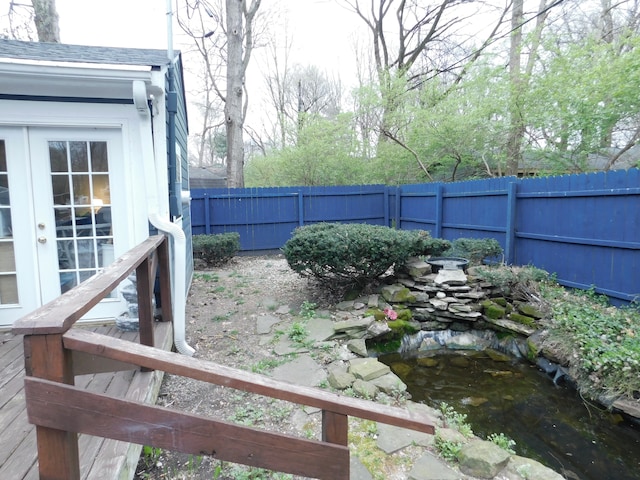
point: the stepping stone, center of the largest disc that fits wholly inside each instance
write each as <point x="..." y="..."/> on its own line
<point x="429" y="467"/>
<point x="265" y="322"/>
<point x="302" y="371"/>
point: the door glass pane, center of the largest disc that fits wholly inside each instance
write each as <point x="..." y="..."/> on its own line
<point x="82" y="208"/>
<point x="8" y="275"/>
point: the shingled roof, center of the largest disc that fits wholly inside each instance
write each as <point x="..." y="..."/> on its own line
<point x="61" y="52"/>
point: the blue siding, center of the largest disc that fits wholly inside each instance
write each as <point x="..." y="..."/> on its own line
<point x="584" y="228"/>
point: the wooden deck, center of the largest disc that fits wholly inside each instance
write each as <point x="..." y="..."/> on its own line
<point x="99" y="458"/>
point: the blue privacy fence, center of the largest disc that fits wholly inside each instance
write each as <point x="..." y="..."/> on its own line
<point x="584" y="228"/>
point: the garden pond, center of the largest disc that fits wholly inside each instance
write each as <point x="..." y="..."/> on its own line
<point x="549" y="423"/>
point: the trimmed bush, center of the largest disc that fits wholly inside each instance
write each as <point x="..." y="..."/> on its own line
<point x="216" y="249"/>
<point x="353" y="254"/>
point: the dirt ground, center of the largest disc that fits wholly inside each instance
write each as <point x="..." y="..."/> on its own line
<point x="222" y="308"/>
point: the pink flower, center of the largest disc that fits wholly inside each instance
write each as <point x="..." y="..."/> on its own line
<point x="390" y="314"/>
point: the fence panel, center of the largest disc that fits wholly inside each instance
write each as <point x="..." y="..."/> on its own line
<point x="266" y="217"/>
<point x="584" y="228"/>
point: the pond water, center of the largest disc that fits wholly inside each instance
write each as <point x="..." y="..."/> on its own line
<point x="549" y="423"/>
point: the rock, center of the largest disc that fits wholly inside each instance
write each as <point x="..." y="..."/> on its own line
<point x="390" y="384"/>
<point x="428" y="361"/>
<point x="377" y="329"/>
<point x="265" y="322"/>
<point x="430" y="467"/>
<point x="397" y="294"/>
<point x="482" y="459"/>
<point x="530" y="469"/>
<point x="303" y="370"/>
<point x="340" y="379"/>
<point x="523" y="319"/>
<point x="353" y="326"/>
<point x="451" y="435"/>
<point x="493" y="310"/>
<point x="429" y="344"/>
<point x="474" y="401"/>
<point x="346" y="305"/>
<point x="320" y="329"/>
<point x="511" y="326"/>
<point x="471" y="295"/>
<point x="450" y="277"/>
<point x="364" y="389"/>
<point x="417" y="267"/>
<point x="466" y="341"/>
<point x="439" y="304"/>
<point x="358" y="346"/>
<point x="628" y="406"/>
<point x="391" y="439"/>
<point x="373" y="300"/>
<point x="368" y="369"/>
<point x="529" y="310"/>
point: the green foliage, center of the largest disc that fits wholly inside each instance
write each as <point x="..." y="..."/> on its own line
<point x="520" y="283"/>
<point x="350" y="254"/>
<point x="604" y="343"/>
<point x="323" y="155"/>
<point x="453" y="419"/>
<point x="504" y="442"/>
<point x="297" y="332"/>
<point x="475" y="249"/>
<point x="448" y="449"/>
<point x="308" y="309"/>
<point x="217" y="249"/>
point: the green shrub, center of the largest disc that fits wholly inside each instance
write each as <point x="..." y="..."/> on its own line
<point x="352" y="254"/>
<point x="475" y="249"/>
<point x="216" y="249"/>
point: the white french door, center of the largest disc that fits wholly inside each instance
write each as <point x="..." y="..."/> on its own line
<point x="59" y="195"/>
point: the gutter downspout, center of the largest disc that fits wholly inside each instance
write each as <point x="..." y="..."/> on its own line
<point x="161" y="223"/>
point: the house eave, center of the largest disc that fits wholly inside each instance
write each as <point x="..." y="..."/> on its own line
<point x="61" y="79"/>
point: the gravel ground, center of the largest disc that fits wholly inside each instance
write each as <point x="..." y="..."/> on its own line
<point x="221" y="313"/>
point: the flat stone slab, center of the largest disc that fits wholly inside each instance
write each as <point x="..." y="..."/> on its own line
<point x="369" y="369"/>
<point x="302" y="371"/>
<point x="353" y="324"/>
<point x="286" y="347"/>
<point x="429" y="467"/>
<point x="264" y="323"/>
<point x="357" y="471"/>
<point x="319" y="329"/>
<point x="450" y="277"/>
<point x="391" y="439"/>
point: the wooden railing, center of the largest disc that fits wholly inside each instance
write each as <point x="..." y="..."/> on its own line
<point x="60" y="410"/>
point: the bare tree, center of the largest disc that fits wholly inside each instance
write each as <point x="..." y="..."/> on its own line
<point x="412" y="41"/>
<point x="46" y="20"/>
<point x="222" y="35"/>
<point x="240" y="18"/>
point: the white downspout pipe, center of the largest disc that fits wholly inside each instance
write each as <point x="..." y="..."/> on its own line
<point x="160" y="222"/>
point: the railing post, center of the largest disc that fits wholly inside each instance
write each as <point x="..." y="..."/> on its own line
<point x="144" y="279"/>
<point x="164" y="274"/>
<point x="46" y="357"/>
<point x="335" y="429"/>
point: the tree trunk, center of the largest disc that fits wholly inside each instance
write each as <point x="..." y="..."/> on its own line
<point x="516" y="129"/>
<point x="234" y="99"/>
<point x="46" y="20"/>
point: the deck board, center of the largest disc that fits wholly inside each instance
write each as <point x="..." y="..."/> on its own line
<point x="99" y="458"/>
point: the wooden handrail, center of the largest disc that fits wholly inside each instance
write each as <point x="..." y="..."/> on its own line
<point x="61" y="313"/>
<point x="122" y="350"/>
<point x="60" y="411"/>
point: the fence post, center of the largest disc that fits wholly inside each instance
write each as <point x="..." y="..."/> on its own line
<point x="46" y="357"/>
<point x="386" y="205"/>
<point x="300" y="208"/>
<point x="439" y="211"/>
<point x="207" y="217"/>
<point x="397" y="212"/>
<point x="511" y="223"/>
